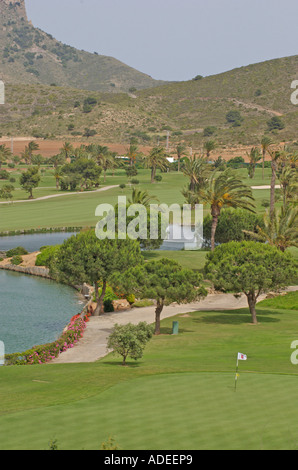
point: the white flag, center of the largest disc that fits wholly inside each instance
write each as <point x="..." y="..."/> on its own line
<point x="242" y="357"/>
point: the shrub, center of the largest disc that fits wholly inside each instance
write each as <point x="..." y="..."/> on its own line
<point x="16" y="251"/>
<point x="4" y="175"/>
<point x="46" y="256"/>
<point x="231" y="224"/>
<point x="45" y="353"/>
<point x="131" y="298"/>
<point x="16" y="260"/>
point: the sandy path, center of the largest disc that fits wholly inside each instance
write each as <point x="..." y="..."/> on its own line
<point x="93" y="345"/>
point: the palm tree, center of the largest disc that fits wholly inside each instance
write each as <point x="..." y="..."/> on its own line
<point x="289" y="183"/>
<point x="28" y="152"/>
<point x="275" y="157"/>
<point x="180" y="151"/>
<point x="5" y="153"/>
<point x="254" y="157"/>
<point x="280" y="231"/>
<point x="141" y="197"/>
<point x="132" y="153"/>
<point x="106" y="161"/>
<point x="225" y="189"/>
<point x="58" y="174"/>
<point x="197" y="170"/>
<point x="157" y="158"/>
<point x="57" y="160"/>
<point x="266" y="143"/>
<point x="67" y="149"/>
<point x="209" y="146"/>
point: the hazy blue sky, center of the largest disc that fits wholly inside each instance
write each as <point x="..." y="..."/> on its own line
<point x="174" y="39"/>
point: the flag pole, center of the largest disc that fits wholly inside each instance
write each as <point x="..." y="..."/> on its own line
<point x="236" y="377"/>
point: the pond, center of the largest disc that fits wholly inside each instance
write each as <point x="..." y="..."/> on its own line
<point x="33" y="310"/>
<point x="33" y="242"/>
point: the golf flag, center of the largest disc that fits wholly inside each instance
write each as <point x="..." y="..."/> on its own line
<point x="242" y="357"/>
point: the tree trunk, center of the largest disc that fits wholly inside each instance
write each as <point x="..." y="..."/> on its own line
<point x="272" y="190"/>
<point x="252" y="301"/>
<point x="99" y="299"/>
<point x="263" y="165"/>
<point x="179" y="163"/>
<point x="158" y="311"/>
<point x="215" y="215"/>
<point x="153" y="172"/>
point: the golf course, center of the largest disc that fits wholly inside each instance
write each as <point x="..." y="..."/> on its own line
<point x="180" y="395"/>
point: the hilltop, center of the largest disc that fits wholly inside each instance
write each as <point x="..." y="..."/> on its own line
<point x="32" y="56"/>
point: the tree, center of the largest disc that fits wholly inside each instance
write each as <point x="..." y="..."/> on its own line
<point x="281" y="230"/>
<point x="132" y="153"/>
<point x="130" y="340"/>
<point x="209" y="146"/>
<point x="156" y="159"/>
<point x="141" y="197"/>
<point x="288" y="179"/>
<point x="32" y="147"/>
<point x="254" y="157"/>
<point x="198" y="171"/>
<point x="225" y="189"/>
<point x="275" y="157"/>
<point x="234" y="117"/>
<point x="86" y="259"/>
<point x="165" y="281"/>
<point x="6" y="192"/>
<point x="180" y="151"/>
<point x="266" y="143"/>
<point x="29" y="180"/>
<point x="5" y="153"/>
<point x="251" y="268"/>
<point x="57" y="160"/>
<point x="58" y="174"/>
<point x="67" y="150"/>
<point x="275" y="123"/>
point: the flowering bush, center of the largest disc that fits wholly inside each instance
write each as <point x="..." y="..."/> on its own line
<point x="48" y="352"/>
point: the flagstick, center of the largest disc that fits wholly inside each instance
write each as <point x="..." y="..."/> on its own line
<point x="236" y="377"/>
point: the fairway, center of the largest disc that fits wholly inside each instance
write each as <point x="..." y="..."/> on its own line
<point x="79" y="209"/>
<point x="178" y="411"/>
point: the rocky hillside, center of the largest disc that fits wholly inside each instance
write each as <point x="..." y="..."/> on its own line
<point x="30" y="56"/>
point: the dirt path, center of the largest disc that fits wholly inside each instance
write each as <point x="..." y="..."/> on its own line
<point x="93" y="345"/>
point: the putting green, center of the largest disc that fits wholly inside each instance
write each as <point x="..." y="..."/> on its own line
<point x="168" y="411"/>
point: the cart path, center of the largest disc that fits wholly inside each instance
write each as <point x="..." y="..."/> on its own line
<point x="93" y="345"/>
<point x="51" y="196"/>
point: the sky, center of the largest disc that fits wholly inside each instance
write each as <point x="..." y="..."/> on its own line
<point x="174" y="39"/>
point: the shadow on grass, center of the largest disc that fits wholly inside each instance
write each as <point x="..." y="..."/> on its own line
<point x="129" y="364"/>
<point x="236" y="317"/>
<point x="168" y="331"/>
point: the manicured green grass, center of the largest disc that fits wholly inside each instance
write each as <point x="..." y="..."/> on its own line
<point x="179" y="396"/>
<point x="187" y="259"/>
<point x="288" y="301"/>
<point x="79" y="209"/>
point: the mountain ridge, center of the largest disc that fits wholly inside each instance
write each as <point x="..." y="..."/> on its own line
<point x="31" y="55"/>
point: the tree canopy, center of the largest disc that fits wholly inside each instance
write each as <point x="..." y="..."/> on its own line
<point x="251" y="268"/>
<point x="165" y="281"/>
<point x="84" y="258"/>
